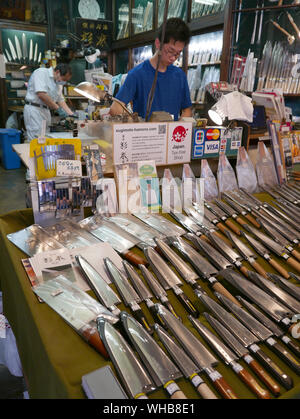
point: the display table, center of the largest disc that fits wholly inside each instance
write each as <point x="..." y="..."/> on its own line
<point x="55" y="357"/>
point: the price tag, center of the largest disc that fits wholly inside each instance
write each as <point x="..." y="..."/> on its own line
<point x="68" y="168"/>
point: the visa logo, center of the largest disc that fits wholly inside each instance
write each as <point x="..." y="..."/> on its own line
<point x="212" y="147"/>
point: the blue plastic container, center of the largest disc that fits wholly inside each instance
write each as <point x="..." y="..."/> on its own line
<point x="9" y="158"/>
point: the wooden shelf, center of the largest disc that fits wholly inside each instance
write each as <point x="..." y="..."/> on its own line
<point x="209" y="63"/>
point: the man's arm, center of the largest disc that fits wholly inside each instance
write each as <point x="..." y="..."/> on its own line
<point x="116" y="109"/>
<point x="65" y="107"/>
<point x="47" y="100"/>
<point x="187" y="112"/>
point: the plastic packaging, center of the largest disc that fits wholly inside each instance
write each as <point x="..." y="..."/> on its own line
<point x="208" y="181"/>
<point x="171" y="198"/>
<point x="245" y="172"/>
<point x="265" y="168"/>
<point x="226" y="175"/>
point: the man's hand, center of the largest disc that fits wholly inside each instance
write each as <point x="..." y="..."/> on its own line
<point x="62" y="113"/>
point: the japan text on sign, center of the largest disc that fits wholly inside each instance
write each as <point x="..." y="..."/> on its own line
<point x="211" y="141"/>
<point x="97" y="33"/>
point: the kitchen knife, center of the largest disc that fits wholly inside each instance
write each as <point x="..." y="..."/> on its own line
<point x="278" y="231"/>
<point x="168" y="278"/>
<point x="76" y="307"/>
<point x="117" y="238"/>
<point x="266" y="321"/>
<point x="128" y="294"/>
<point x="162" y="370"/>
<point x="279" y="216"/>
<point x="35" y="53"/>
<point x="201" y="265"/>
<point x="247" y="254"/>
<point x="276" y="310"/>
<point x="161" y="224"/>
<point x="24" y="45"/>
<point x="222" y="216"/>
<point x="135" y="379"/>
<point x="243" y="353"/>
<point x="231" y="212"/>
<point x="141" y="289"/>
<point x="248" y="339"/>
<point x="157" y="289"/>
<point x="102" y="290"/>
<point x="264" y="252"/>
<point x="288" y="286"/>
<point x="30" y="50"/>
<point x="18" y="48"/>
<point x="12" y="50"/>
<point x="290" y="208"/>
<point x="196" y="351"/>
<point x="288" y="212"/>
<point x="289" y="193"/>
<point x="286" y="195"/>
<point x="203" y="214"/>
<point x="188" y="368"/>
<point x="230" y="359"/>
<point x="261" y="332"/>
<point x="8" y="55"/>
<point x="275" y="247"/>
<point x="240" y="210"/>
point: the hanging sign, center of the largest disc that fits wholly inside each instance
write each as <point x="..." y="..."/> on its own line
<point x="97" y="33"/>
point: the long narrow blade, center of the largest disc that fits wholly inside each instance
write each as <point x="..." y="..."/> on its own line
<point x="241" y="247"/>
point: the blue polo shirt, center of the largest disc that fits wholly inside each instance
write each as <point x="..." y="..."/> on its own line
<point x="171" y="94"/>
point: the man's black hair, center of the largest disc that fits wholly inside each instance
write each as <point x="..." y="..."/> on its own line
<point x="63" y="68"/>
<point x="176" y="29"/>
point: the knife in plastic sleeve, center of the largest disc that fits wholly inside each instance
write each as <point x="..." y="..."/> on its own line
<point x="277" y="331"/>
<point x="135" y="379"/>
<point x="128" y="294"/>
<point x="230" y="359"/>
<point x="276" y="248"/>
<point x="141" y="289"/>
<point x="214" y="209"/>
<point x="204" y="269"/>
<point x="265" y="253"/>
<point x="276" y="310"/>
<point x="102" y="290"/>
<point x="188" y="368"/>
<point x="168" y="279"/>
<point x="240" y="210"/>
<point x="247" y="254"/>
<point x="231" y="212"/>
<point x="248" y="339"/>
<point x="157" y="290"/>
<point x="160" y="367"/>
<point x="263" y="333"/>
<point x="201" y="356"/>
<point x="77" y="309"/>
<point x="243" y="354"/>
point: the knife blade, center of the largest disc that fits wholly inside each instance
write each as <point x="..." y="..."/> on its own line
<point x="247" y="254"/>
<point x="202" y="215"/>
<point x="230" y="359"/>
<point x="285" y="195"/>
<point x="200" y="264"/>
<point x="245" y="337"/>
<point x="203" y="358"/>
<point x="24" y="45"/>
<point x="141" y="289"/>
<point x="76" y="307"/>
<point x="12" y="50"/>
<point x="35" y="52"/>
<point x="239" y="209"/>
<point x="18" y="48"/>
<point x="288" y="212"/>
<point x="128" y="294"/>
<point x="136" y="380"/>
<point x="230" y="212"/>
<point x="157" y="290"/>
<point x="188" y="368"/>
<point x="8" y="55"/>
<point x="169" y="279"/>
<point x="102" y="290"/>
<point x="262" y="332"/>
<point x="243" y="353"/>
<point x="264" y="252"/>
<point x="293" y="209"/>
<point x="277" y="331"/>
<point x="280" y="216"/>
<point x="223" y="216"/>
<point x="162" y="370"/>
<point x="30" y="50"/>
<point x="288" y="286"/>
<point x="161" y="224"/>
<point x="276" y="229"/>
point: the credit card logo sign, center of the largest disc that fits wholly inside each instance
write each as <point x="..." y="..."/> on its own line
<point x="213" y="134"/>
<point x="198" y="151"/>
<point x="199" y="137"/>
<point x="212" y="147"/>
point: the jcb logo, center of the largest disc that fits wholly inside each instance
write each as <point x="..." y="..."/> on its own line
<point x="296" y="328"/>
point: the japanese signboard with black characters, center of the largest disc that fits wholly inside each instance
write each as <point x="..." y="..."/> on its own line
<point x="96" y="33"/>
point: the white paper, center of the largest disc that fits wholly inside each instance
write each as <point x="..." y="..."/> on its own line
<point x="179" y="142"/>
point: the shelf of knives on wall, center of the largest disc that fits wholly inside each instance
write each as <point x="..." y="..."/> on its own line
<point x="265" y="46"/>
<point x="23" y="52"/>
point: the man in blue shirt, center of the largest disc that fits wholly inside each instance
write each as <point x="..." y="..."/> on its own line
<point x="172" y="92"/>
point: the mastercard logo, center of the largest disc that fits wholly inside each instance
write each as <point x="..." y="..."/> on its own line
<point x="213" y="134"/>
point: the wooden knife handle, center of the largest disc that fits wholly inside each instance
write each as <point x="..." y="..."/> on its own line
<point x="223" y="387"/>
<point x="134" y="258"/>
<point x="178" y="395"/>
<point x="252" y="220"/>
<point x="202" y="388"/>
<point x="296" y="265"/>
<point x="222" y="228"/>
<point x="222" y="237"/>
<point x="218" y="287"/>
<point x="283" y="272"/>
<point x="174" y="391"/>
<point x="259" y="269"/>
<point x="250" y="381"/>
<point x="233" y="227"/>
<point x="91" y="335"/>
<point x="289" y="343"/>
<point x="263" y="375"/>
<point x="241" y="221"/>
<point x="296" y="254"/>
<point x="244" y="270"/>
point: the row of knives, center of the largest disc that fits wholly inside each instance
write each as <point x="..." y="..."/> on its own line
<point x="264" y="314"/>
<point x="15" y="53"/>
